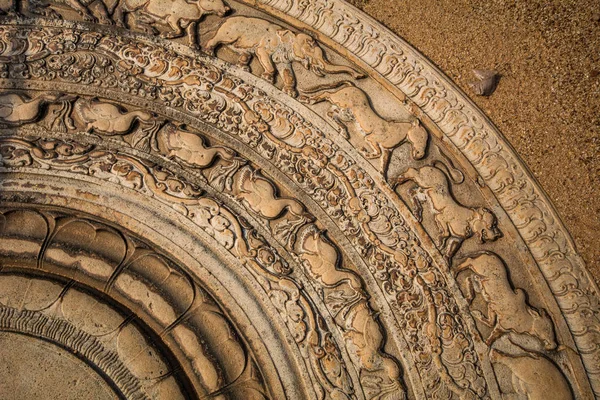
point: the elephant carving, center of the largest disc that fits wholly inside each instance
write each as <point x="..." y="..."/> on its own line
<point x="534" y="377"/>
<point x="108" y="118"/>
<point x="276" y="48"/>
<point x="352" y="111"/>
<point x="455" y="222"/>
<point x="507" y="308"/>
<point x="179" y="15"/>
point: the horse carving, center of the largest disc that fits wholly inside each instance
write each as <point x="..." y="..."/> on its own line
<point x="352" y="111"/>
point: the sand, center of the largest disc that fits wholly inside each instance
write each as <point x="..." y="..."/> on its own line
<point x="547" y="103"/>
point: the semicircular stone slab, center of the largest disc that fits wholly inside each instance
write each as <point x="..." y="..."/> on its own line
<point x="269" y="199"/>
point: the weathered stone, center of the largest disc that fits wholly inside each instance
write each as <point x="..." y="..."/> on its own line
<point x="190" y="228"/>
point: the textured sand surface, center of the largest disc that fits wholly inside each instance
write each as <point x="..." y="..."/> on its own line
<point x="547" y="103"/>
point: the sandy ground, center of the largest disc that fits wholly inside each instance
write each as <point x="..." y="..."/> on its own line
<point x="547" y="103"/>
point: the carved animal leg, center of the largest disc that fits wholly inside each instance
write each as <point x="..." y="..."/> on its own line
<point x="11" y="9"/>
<point x="89" y="127"/>
<point x="82" y="10"/>
<point x="400" y="179"/>
<point x="487" y="320"/>
<point x="264" y="58"/>
<point x="497" y="332"/>
<point x="416" y="203"/>
<point x="192" y="31"/>
<point x="144" y="23"/>
<point x="418" y="138"/>
<point x="323" y="96"/>
<point x="452" y="245"/>
<point x="385" y="161"/>
<point x="343" y="129"/>
<point x="177" y="29"/>
<point x="104" y="13"/>
<point x="289" y="79"/>
<point x="33" y="10"/>
<point x="444" y="232"/>
<point x="120" y="17"/>
<point x="374" y="150"/>
<point x="243" y="61"/>
<point x="470" y="295"/>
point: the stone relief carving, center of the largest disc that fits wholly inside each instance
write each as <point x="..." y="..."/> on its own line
<point x="276" y="48"/>
<point x="103" y="9"/>
<point x="455" y="222"/>
<point x="352" y="111"/>
<point x="190" y="148"/>
<point x="180" y="16"/>
<point x="507" y="308"/>
<point x="27" y="8"/>
<point x="529" y="371"/>
<point x="373" y="221"/>
<point x="107" y="118"/>
<point x="416" y="289"/>
<point x="481" y="144"/>
<point x="228" y="231"/>
<point x="96" y="266"/>
<point x="17" y="110"/>
<point x="259" y="195"/>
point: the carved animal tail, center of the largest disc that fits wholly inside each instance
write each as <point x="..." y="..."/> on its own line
<point x="455" y="175"/>
<point x="325" y="87"/>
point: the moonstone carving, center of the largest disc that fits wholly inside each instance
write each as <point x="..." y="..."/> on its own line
<point x="194" y="230"/>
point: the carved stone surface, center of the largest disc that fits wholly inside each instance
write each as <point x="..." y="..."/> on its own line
<point x="245" y="222"/>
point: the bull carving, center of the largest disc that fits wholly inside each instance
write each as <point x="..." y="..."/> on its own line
<point x="507" y="308"/>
